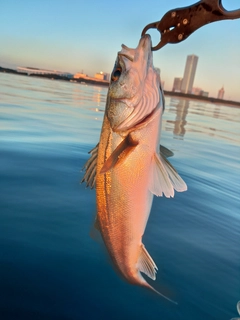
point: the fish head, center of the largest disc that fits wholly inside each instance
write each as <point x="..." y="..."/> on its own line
<point x="134" y="88"/>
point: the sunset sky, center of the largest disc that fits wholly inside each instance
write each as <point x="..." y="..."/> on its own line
<point x="77" y="35"/>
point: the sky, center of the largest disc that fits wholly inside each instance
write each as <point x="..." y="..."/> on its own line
<point x="78" y="35"/>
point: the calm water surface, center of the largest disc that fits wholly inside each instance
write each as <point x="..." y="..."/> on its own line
<point x="50" y="268"/>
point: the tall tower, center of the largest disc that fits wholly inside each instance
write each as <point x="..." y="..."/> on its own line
<point x="221" y="93"/>
<point x="189" y="74"/>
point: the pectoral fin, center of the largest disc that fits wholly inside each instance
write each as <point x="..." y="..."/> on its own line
<point x="91" y="167"/>
<point x="119" y="154"/>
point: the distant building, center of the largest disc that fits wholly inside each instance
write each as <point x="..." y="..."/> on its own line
<point x="99" y="75"/>
<point x="221" y="93"/>
<point x="189" y="74"/>
<point x="204" y="93"/>
<point x="199" y="92"/>
<point x="80" y="75"/>
<point x="177" y="83"/>
<point x="30" y="70"/>
<point x="102" y="76"/>
<point x="196" y="90"/>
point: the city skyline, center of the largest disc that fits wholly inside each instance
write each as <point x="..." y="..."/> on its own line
<point x="75" y="36"/>
<point x="182" y="84"/>
<point x="105" y="79"/>
<point x="185" y="84"/>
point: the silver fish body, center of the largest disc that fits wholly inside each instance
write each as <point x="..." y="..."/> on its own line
<point x="126" y="165"/>
<point x="123" y="201"/>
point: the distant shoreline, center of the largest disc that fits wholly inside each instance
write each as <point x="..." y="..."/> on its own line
<point x="202" y="98"/>
<point x="104" y="83"/>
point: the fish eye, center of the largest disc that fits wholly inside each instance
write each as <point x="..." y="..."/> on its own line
<point x="116" y="74"/>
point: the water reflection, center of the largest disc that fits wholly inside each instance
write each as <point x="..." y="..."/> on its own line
<point x="84" y="92"/>
<point x="46" y="129"/>
<point x="183" y="116"/>
<point x="217" y="111"/>
<point x="181" y="111"/>
<point x="99" y="95"/>
<point x="56" y="101"/>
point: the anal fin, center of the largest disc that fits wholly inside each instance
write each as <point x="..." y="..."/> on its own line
<point x="146" y="264"/>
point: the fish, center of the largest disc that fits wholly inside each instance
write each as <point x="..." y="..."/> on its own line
<point x="126" y="167"/>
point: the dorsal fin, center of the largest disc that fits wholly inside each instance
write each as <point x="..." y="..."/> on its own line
<point x="91" y="167"/>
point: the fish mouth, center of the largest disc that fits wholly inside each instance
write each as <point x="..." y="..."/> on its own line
<point x="146" y="41"/>
<point x="148" y="101"/>
<point x="134" y="90"/>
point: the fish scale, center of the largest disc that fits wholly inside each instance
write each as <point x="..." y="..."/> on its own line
<point x="129" y="168"/>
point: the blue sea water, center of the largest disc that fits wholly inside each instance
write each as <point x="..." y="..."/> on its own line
<point x="50" y="267"/>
